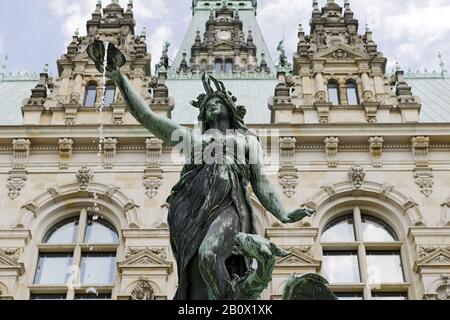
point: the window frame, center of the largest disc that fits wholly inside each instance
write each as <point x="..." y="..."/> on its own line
<point x="77" y="249"/>
<point x="107" y="88"/>
<point x="86" y="92"/>
<point x="335" y="85"/>
<point x="352" y="85"/>
<point x="362" y="247"/>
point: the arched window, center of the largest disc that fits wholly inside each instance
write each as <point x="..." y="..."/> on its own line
<point x="77" y="255"/>
<point x="333" y="93"/>
<point x="229" y="66"/>
<point x="110" y="93"/>
<point x="362" y="258"/>
<point x="90" y="97"/>
<point x="352" y="94"/>
<point x="218" y="66"/>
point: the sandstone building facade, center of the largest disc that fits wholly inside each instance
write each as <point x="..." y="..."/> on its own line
<point x="83" y="189"/>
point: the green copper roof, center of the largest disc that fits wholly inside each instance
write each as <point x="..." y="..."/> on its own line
<point x="435" y="96"/>
<point x="12" y="95"/>
<point x="253" y="94"/>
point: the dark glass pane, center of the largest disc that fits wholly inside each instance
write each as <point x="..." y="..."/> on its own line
<point x="349" y="296"/>
<point x="229" y="67"/>
<point x="375" y="230"/>
<point x="341" y="267"/>
<point x="48" y="297"/>
<point x="203" y="65"/>
<point x="90" y="96"/>
<point x="340" y="230"/>
<point x="106" y="296"/>
<point x="384" y="267"/>
<point x="100" y="231"/>
<point x="352" y="94"/>
<point x="333" y="94"/>
<point x="53" y="268"/>
<point x="64" y="232"/>
<point x="98" y="268"/>
<point x="389" y="296"/>
<point x="218" y="66"/>
<point x="109" y="95"/>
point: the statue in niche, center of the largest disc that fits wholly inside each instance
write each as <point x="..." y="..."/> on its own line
<point x="210" y="214"/>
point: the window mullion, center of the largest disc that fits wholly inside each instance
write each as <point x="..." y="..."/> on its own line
<point x="82" y="226"/>
<point x="361" y="251"/>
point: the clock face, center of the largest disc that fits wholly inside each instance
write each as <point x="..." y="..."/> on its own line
<point x="224" y="35"/>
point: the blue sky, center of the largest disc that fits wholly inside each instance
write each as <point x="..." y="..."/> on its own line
<point x="36" y="32"/>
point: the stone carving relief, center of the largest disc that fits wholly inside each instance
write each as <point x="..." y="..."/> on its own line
<point x="424" y="179"/>
<point x="21" y="152"/>
<point x="376" y="151"/>
<point x="357" y="175"/>
<point x="152" y="183"/>
<point x="331" y="149"/>
<point x="65" y="152"/>
<point x="85" y="176"/>
<point x="160" y="252"/>
<point x="420" y="148"/>
<point x="15" y="184"/>
<point x="289" y="182"/>
<point x="143" y="291"/>
<point x="424" y="251"/>
<point x="288" y="173"/>
<point x="13" y="253"/>
<point x="110" y="148"/>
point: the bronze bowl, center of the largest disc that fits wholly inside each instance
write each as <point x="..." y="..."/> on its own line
<point x="96" y="51"/>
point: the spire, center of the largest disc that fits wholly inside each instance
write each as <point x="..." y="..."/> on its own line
<point x="442" y="65"/>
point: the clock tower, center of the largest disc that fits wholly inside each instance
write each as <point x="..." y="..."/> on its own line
<point x="224" y="39"/>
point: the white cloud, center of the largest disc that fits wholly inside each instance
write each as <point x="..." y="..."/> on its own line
<point x="411" y="32"/>
<point x="156" y="40"/>
<point x="73" y="14"/>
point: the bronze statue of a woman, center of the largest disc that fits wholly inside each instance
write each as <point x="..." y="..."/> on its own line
<point x="210" y="205"/>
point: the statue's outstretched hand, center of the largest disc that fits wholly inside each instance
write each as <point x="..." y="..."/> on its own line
<point x="113" y="74"/>
<point x="298" y="215"/>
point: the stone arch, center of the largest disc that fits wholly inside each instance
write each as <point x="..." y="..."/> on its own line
<point x="401" y="210"/>
<point x="122" y="211"/>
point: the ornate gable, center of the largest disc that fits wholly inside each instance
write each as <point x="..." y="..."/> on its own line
<point x="342" y="53"/>
<point x="298" y="259"/>
<point x="438" y="259"/>
<point x="8" y="263"/>
<point x="145" y="259"/>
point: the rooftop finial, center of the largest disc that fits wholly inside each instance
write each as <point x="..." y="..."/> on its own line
<point x="316" y="5"/>
<point x="442" y="65"/>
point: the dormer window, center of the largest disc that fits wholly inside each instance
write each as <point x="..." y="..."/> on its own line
<point x="333" y="93"/>
<point x="90" y="97"/>
<point x="352" y="93"/>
